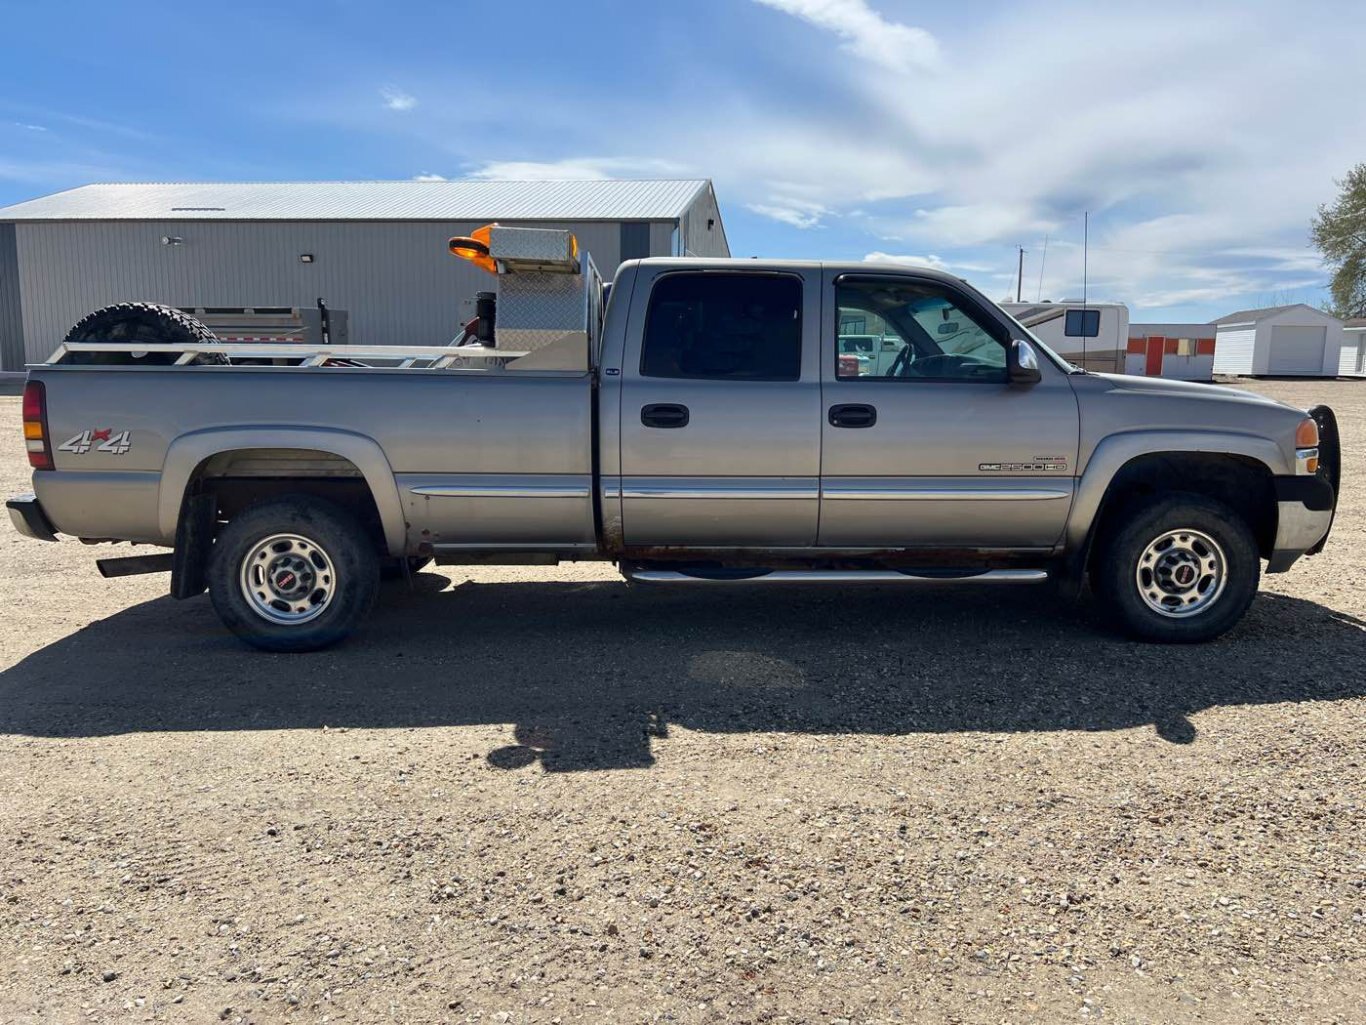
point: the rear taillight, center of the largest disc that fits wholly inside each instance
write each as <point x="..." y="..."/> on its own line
<point x="35" y="426"/>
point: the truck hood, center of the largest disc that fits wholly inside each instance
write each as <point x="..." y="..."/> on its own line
<point x="1193" y="390"/>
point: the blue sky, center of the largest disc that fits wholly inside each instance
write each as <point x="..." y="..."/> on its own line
<point x="1201" y="137"/>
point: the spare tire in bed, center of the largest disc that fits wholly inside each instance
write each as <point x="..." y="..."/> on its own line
<point x="134" y="323"/>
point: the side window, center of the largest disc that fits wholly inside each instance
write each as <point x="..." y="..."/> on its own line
<point x="1082" y="324"/>
<point x="742" y="327"/>
<point x="914" y="330"/>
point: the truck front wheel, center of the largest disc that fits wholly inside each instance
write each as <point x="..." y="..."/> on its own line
<point x="1177" y="569"/>
<point x="293" y="574"/>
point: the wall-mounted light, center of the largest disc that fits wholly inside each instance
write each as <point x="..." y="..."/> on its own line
<point x="172" y="240"/>
<point x="305" y="257"/>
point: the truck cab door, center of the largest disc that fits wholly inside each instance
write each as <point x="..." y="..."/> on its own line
<point x="719" y="412"/>
<point x="935" y="447"/>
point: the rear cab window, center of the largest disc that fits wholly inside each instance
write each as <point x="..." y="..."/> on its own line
<point x="721" y="326"/>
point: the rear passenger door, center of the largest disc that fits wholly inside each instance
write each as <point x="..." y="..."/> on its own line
<point x="720" y="409"/>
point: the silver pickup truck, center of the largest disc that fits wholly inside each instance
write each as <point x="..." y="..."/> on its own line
<point x="700" y="421"/>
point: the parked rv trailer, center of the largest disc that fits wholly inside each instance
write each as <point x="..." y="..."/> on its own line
<point x="1092" y="335"/>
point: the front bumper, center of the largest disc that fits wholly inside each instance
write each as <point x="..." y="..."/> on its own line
<point x="1304" y="507"/>
<point x="29" y="519"/>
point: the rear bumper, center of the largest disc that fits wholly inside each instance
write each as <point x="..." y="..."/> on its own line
<point x="1304" y="507"/>
<point x="29" y="519"/>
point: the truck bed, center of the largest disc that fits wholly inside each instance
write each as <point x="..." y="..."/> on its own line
<point x="465" y="456"/>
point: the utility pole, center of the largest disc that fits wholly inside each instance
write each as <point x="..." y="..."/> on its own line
<point x="1019" y="277"/>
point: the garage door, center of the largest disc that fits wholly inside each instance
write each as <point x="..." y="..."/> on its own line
<point x="1297" y="350"/>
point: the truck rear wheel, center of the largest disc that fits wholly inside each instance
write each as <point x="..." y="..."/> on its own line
<point x="1178" y="569"/>
<point x="293" y="574"/>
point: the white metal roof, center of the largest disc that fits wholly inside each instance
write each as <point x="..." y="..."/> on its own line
<point x="463" y="200"/>
<point x="1252" y="316"/>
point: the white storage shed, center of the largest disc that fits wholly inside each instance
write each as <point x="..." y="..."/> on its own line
<point x="1353" y="361"/>
<point x="1278" y="341"/>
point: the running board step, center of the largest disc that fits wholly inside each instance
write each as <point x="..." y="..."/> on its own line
<point x="839" y="576"/>
<point x="135" y="565"/>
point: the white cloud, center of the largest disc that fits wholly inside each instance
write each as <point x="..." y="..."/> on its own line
<point x="1283" y="258"/>
<point x="396" y="99"/>
<point x="929" y="260"/>
<point x="29" y="127"/>
<point x="866" y="34"/>
<point x="427" y="177"/>
<point x="1200" y="176"/>
<point x="1200" y="173"/>
<point x="579" y="167"/>
<point x="976" y="223"/>
<point x="798" y="213"/>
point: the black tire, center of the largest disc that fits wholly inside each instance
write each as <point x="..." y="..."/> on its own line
<point x="336" y="542"/>
<point x="131" y="323"/>
<point x="392" y="569"/>
<point x="1178" y="577"/>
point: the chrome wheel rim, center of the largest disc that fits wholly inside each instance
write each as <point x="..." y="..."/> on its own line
<point x="1181" y="573"/>
<point x="288" y="579"/>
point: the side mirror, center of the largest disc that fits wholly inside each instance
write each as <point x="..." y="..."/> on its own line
<point x="1022" y="363"/>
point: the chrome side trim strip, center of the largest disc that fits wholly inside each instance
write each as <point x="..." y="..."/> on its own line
<point x="895" y="494"/>
<point x="804" y="489"/>
<point x="501" y="491"/>
<point x="839" y="576"/>
<point x="804" y="494"/>
<point x="518" y="546"/>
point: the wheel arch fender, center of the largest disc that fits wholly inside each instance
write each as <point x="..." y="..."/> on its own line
<point x="1118" y="450"/>
<point x="189" y="451"/>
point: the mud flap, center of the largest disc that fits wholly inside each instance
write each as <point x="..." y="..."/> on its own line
<point x="1330" y="461"/>
<point x="193" y="542"/>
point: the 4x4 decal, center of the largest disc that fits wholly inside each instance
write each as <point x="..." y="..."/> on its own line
<point x="102" y="439"/>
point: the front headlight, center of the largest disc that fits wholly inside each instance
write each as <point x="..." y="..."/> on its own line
<point x="1307" y="448"/>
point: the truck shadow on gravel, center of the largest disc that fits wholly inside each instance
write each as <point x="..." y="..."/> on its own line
<point x="593" y="675"/>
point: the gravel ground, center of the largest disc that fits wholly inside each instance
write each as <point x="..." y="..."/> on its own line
<point x="540" y="796"/>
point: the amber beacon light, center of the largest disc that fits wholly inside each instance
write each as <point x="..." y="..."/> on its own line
<point x="475" y="248"/>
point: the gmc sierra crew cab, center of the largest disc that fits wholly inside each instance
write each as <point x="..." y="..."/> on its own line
<point x="696" y="421"/>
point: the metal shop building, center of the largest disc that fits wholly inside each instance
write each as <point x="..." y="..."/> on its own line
<point x="1183" y="352"/>
<point x="376" y="251"/>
